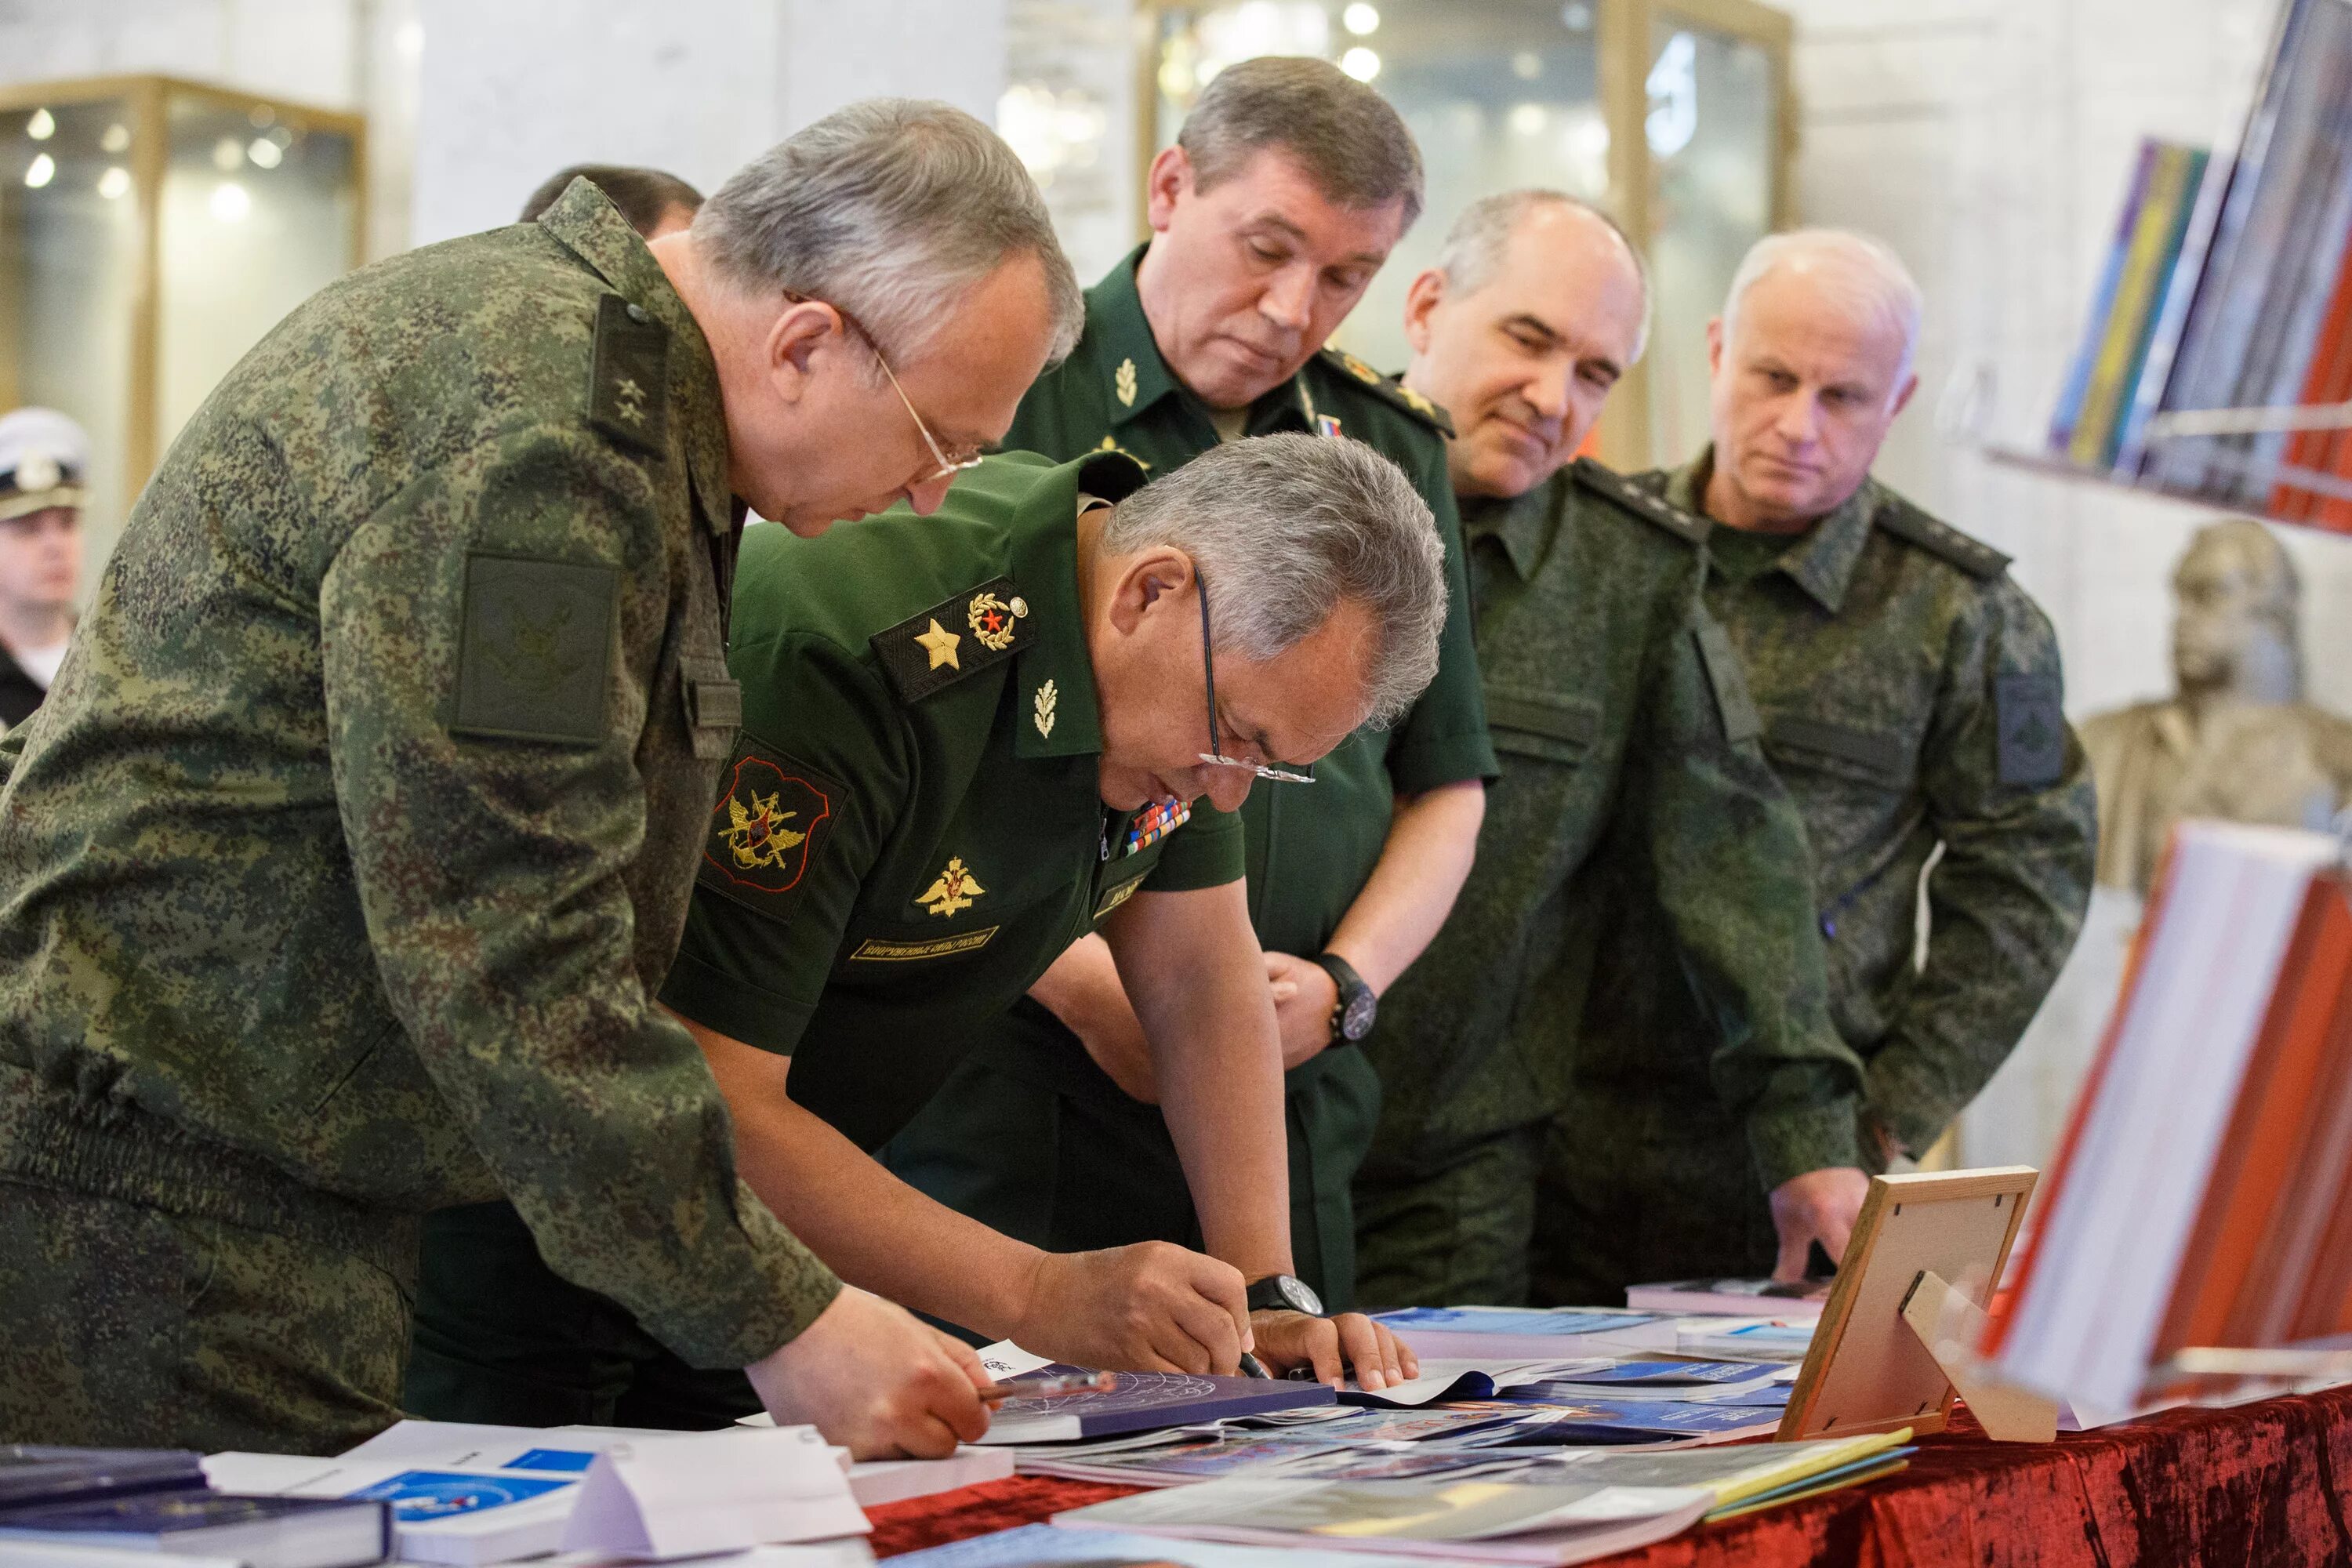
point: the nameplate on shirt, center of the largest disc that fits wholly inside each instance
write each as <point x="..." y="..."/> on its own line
<point x="874" y="949"/>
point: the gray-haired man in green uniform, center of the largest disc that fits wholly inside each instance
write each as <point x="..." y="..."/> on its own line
<point x="967" y="739"/>
<point x="1283" y="195"/>
<point x="1910" y="697"/>
<point x="1632" y="781"/>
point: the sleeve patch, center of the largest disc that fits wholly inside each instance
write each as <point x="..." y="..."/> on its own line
<point x="628" y="390"/>
<point x="2033" y="725"/>
<point x="535" y="649"/>
<point x="1729" y="683"/>
<point x="772" y="820"/>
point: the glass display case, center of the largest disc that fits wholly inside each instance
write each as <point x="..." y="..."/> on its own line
<point x="1672" y="115"/>
<point x="150" y="231"/>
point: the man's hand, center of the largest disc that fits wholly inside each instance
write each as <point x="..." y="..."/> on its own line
<point x="873" y="1379"/>
<point x="1332" y="1346"/>
<point x="1819" y="1206"/>
<point x="1303" y="996"/>
<point x="1151" y="1306"/>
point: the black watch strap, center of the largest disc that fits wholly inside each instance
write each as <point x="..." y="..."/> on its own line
<point x="1284" y="1293"/>
<point x="1351" y="1016"/>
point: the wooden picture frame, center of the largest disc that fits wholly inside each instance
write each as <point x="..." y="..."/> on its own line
<point x="1868" y="1370"/>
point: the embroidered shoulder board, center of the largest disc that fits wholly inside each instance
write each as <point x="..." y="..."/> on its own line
<point x="628" y="390"/>
<point x="1908" y="524"/>
<point x="1634" y="496"/>
<point x="1348" y="367"/>
<point x="960" y="635"/>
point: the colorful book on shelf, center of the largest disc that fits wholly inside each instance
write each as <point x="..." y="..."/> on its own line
<point x="2064" y="419"/>
<point x="2329" y="380"/>
<point x="2140" y="290"/>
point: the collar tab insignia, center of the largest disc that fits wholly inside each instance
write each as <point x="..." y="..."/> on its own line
<point x="952" y="891"/>
<point x="921" y="655"/>
<point x="1122" y="382"/>
<point x="1041" y="708"/>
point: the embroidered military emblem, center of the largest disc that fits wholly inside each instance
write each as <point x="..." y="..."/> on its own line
<point x="629" y="400"/>
<point x="1359" y="370"/>
<point x="991" y="619"/>
<point x="2032" y="729"/>
<point x="768" y="821"/>
<point x="952" y="891"/>
<point x="1122" y="382"/>
<point x="1108" y="445"/>
<point x="1041" y="708"/>
<point x="941" y="644"/>
<point x="1421" y="406"/>
<point x="536" y="650"/>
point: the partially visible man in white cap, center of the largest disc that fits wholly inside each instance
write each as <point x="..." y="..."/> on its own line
<point x="44" y="463"/>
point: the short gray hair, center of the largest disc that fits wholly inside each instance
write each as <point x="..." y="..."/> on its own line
<point x="1473" y="252"/>
<point x="1887" y="285"/>
<point x="1286" y="527"/>
<point x="1351" y="143"/>
<point x="890" y="209"/>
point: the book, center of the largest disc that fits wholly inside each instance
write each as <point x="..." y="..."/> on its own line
<point x="1551" y="1422"/>
<point x="1143" y="1400"/>
<point x="2131" y="312"/>
<point x="1519" y="1332"/>
<point x="31" y="1473"/>
<point x="1788" y="1299"/>
<point x="1762" y="1340"/>
<point x="1481" y="1520"/>
<point x="2064" y="417"/>
<point x="1730" y="1474"/>
<point x="1038" y="1544"/>
<point x="259" y="1532"/>
<point x="1683" y="1382"/>
<point x="1853" y="1475"/>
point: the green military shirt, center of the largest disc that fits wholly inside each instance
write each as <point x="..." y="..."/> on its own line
<point x="361" y="823"/>
<point x="1630" y="776"/>
<point x="912" y="827"/>
<point x="1912" y="698"/>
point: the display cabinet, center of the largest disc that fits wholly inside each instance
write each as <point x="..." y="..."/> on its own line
<point x="150" y="231"/>
<point x="1672" y="115"/>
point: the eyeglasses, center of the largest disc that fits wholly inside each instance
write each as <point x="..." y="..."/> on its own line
<point x="1209" y="678"/>
<point x="947" y="467"/>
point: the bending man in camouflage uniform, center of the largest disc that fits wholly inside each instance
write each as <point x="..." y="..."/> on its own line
<point x="1910" y="698"/>
<point x="337" y="874"/>
<point x="1632" y="780"/>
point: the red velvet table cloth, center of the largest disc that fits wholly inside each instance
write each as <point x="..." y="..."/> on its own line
<point x="2253" y="1486"/>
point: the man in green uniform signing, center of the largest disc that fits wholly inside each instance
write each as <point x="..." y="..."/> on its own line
<point x="967" y="739"/>
<point x="1632" y="779"/>
<point x="337" y="873"/>
<point x="1910" y="699"/>
<point x="1284" y="193"/>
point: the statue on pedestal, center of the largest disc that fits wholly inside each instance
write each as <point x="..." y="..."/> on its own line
<point x="2236" y="740"/>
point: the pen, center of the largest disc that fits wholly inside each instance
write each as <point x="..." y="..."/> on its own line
<point x="1050" y="1388"/>
<point x="1253" y="1367"/>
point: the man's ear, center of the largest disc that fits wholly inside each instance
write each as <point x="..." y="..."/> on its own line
<point x="1715" y="345"/>
<point x="1904" y="396"/>
<point x="1422" y="298"/>
<point x="1170" y="179"/>
<point x="1146" y="585"/>
<point x="795" y="337"/>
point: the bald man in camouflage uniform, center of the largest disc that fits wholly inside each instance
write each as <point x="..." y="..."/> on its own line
<point x="1909" y="694"/>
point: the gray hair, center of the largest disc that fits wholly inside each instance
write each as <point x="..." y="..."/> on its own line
<point x="1352" y="145"/>
<point x="1286" y="527"/>
<point x="1885" y="284"/>
<point x="890" y="209"/>
<point x="1473" y="252"/>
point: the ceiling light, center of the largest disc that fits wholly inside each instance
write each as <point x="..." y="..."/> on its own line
<point x="43" y="170"/>
<point x="1360" y="19"/>
<point x="1361" y="63"/>
<point x="228" y="155"/>
<point x="115" y="138"/>
<point x="42" y="126"/>
<point x="230" y="201"/>
<point x="265" y="153"/>
<point x="115" y="183"/>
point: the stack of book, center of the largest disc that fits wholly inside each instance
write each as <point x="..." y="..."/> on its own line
<point x="2203" y="1194"/>
<point x="2226" y="288"/>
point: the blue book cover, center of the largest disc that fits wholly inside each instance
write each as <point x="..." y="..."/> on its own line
<point x="1143" y="1400"/>
<point x="1674" y="1374"/>
<point x="1507" y="1321"/>
<point x="263" y="1532"/>
<point x="1596" y="1422"/>
<point x="420" y="1497"/>
<point x="31" y="1475"/>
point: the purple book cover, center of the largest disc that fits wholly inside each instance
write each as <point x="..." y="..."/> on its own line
<point x="1144" y="1400"/>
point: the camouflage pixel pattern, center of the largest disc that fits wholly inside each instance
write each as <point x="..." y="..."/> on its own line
<point x="1909" y="696"/>
<point x="1631" y="781"/>
<point x="319" y="854"/>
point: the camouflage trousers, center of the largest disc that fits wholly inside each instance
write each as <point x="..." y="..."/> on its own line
<point x="1455" y="1234"/>
<point x="133" y="1322"/>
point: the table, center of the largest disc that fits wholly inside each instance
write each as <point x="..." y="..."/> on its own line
<point x="2256" y="1485"/>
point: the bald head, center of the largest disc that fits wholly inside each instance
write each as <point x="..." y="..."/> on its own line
<point x="1536" y="307"/>
<point x="1809" y="365"/>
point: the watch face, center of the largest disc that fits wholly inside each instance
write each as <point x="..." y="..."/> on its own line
<point x="1356" y="1018"/>
<point x="1297" y="1292"/>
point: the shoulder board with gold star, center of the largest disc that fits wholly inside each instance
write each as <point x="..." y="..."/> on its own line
<point x="1908" y="524"/>
<point x="960" y="635"/>
<point x="1349" y="368"/>
<point x="1634" y="496"/>
<point x="628" y="389"/>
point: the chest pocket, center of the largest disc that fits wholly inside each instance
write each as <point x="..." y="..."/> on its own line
<point x="1867" y="756"/>
<point x="1530" y="722"/>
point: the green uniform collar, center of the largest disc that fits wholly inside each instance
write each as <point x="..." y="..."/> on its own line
<point x="1526" y="523"/>
<point x="591" y="228"/>
<point x="1055" y="673"/>
<point x="1137" y="377"/>
<point x="1823" y="559"/>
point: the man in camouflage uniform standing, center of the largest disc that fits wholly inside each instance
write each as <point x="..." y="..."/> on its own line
<point x="1285" y="190"/>
<point x="1632" y="780"/>
<point x="1910" y="698"/>
<point x="337" y="874"/>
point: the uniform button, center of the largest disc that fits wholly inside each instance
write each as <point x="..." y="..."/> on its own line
<point x="638" y="314"/>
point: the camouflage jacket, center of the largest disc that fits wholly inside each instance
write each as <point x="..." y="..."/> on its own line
<point x="1631" y="778"/>
<point x="362" y="819"/>
<point x="1911" y="695"/>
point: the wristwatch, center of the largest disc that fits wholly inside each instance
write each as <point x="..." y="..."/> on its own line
<point x="1282" y="1293"/>
<point x="1352" y="1020"/>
